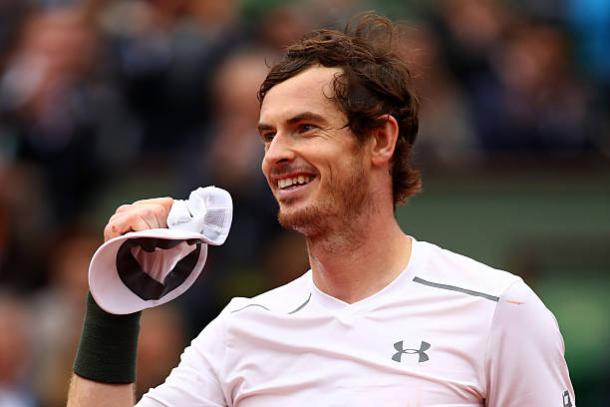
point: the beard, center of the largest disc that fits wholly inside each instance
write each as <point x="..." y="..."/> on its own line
<point x="340" y="201"/>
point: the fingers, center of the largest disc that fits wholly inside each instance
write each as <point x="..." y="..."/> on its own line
<point x="123" y="208"/>
<point x="141" y="215"/>
<point x="119" y="225"/>
<point x="165" y="202"/>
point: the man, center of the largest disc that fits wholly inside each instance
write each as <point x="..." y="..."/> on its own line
<point x="380" y="317"/>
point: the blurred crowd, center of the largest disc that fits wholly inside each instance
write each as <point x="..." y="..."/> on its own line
<point x="103" y="102"/>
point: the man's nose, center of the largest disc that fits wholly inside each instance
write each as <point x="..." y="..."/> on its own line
<point x="279" y="150"/>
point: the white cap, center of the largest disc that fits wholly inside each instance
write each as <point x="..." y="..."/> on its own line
<point x="144" y="269"/>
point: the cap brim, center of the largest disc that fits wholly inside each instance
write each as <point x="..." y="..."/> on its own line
<point x="120" y="285"/>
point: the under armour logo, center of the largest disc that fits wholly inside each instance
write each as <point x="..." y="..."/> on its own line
<point x="399" y="346"/>
<point x="567" y="402"/>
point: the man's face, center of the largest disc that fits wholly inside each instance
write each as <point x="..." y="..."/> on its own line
<point x="314" y="165"/>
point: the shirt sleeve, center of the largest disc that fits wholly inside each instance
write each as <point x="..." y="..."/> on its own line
<point x="525" y="363"/>
<point x="195" y="381"/>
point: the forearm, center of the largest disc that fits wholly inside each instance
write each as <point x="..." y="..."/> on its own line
<point x="105" y="363"/>
<point x="86" y="393"/>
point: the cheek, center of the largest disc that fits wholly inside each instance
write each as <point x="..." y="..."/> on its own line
<point x="264" y="167"/>
<point x="336" y="165"/>
<point x="345" y="169"/>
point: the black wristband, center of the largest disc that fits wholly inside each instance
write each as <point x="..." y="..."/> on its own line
<point x="108" y="346"/>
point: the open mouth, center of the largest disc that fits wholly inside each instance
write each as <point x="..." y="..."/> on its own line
<point x="294" y="182"/>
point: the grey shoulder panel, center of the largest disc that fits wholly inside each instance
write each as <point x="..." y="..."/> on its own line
<point x="456" y="288"/>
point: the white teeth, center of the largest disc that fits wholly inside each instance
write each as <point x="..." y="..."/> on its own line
<point x="288" y="182"/>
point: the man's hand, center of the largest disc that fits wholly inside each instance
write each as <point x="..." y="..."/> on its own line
<point x="140" y="215"/>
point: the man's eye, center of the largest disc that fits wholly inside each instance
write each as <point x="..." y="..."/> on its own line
<point x="304" y="128"/>
<point x="267" y="137"/>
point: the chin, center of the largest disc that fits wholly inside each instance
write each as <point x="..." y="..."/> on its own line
<point x="306" y="221"/>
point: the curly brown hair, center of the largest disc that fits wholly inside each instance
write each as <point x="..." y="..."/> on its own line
<point x="375" y="82"/>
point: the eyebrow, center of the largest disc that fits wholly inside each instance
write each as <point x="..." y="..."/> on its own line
<point x="305" y="116"/>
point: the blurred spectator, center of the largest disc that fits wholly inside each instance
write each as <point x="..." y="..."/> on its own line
<point x="24" y="227"/>
<point x="12" y="13"/>
<point x="446" y="132"/>
<point x="57" y="113"/>
<point x="15" y="354"/>
<point x="231" y="148"/>
<point x="536" y="106"/>
<point x="165" y="51"/>
<point x="471" y="31"/>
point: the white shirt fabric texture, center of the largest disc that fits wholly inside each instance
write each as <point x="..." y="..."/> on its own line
<point x="448" y="331"/>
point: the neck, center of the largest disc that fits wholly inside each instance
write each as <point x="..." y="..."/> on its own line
<point x="367" y="255"/>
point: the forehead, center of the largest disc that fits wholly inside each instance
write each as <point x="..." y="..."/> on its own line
<point x="309" y="91"/>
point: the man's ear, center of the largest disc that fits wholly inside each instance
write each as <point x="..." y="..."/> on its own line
<point x="383" y="140"/>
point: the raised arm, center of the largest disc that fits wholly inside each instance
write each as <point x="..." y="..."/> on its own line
<point x="104" y="369"/>
<point x="84" y="393"/>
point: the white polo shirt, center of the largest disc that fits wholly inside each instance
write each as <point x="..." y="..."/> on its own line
<point x="449" y="331"/>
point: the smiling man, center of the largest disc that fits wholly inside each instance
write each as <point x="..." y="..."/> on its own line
<point x="332" y="185"/>
<point x="380" y="318"/>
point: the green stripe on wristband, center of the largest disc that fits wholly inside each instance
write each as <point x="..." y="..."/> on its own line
<point x="108" y="346"/>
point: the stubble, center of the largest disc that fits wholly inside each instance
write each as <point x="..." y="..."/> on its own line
<point x="337" y="210"/>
